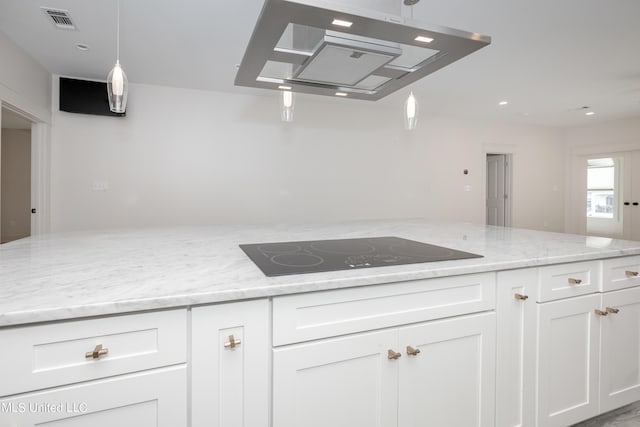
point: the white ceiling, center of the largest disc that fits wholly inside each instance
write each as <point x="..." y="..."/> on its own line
<point x="548" y="58"/>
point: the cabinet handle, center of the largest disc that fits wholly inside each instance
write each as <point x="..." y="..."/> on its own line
<point x="630" y="273"/>
<point x="392" y="355"/>
<point x="613" y="310"/>
<point x="573" y="281"/>
<point x="601" y="313"/>
<point x="521" y="297"/>
<point x="232" y="343"/>
<point x="412" y="351"/>
<point x="97" y="352"/>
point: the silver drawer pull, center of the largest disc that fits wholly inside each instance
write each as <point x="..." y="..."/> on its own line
<point x="412" y="351"/>
<point x="392" y="355"/>
<point x="232" y="343"/>
<point x="629" y="273"/>
<point x="573" y="281"/>
<point x="521" y="297"/>
<point x="97" y="352"/>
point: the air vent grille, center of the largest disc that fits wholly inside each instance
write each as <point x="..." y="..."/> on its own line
<point x="59" y="18"/>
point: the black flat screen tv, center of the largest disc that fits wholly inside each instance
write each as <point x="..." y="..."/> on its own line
<point x="85" y="97"/>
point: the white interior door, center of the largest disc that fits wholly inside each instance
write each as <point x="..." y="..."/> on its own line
<point x="497" y="189"/>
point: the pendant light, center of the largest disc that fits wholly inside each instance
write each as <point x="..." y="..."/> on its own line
<point x="117" y="83"/>
<point x="410" y="112"/>
<point x="286" y="109"/>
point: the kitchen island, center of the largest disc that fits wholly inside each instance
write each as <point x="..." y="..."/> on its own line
<point x="181" y="302"/>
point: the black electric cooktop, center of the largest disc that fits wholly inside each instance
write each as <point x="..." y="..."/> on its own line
<point x="279" y="259"/>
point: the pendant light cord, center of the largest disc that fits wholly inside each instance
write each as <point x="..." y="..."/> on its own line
<point x="118" y="31"/>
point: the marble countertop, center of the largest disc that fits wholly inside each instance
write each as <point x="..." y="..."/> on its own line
<point x="79" y="274"/>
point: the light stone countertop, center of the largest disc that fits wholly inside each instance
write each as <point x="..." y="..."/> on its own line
<point x="80" y="274"/>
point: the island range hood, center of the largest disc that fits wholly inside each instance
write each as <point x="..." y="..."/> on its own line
<point x="345" y="47"/>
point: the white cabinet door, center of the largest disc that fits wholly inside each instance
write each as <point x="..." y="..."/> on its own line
<point x="620" y="354"/>
<point x="230" y="365"/>
<point x="516" y="343"/>
<point x="348" y="381"/>
<point x="568" y="347"/>
<point x="451" y="381"/>
<point x="155" y="398"/>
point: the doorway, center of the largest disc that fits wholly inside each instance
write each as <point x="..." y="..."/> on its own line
<point x="15" y="176"/>
<point x="613" y="195"/>
<point x="498" y="200"/>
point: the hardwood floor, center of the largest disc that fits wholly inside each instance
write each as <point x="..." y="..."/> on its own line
<point x="627" y="416"/>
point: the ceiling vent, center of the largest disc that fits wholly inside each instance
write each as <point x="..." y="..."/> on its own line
<point x="59" y="18"/>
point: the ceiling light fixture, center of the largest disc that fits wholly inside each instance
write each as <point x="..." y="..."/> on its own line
<point x="410" y="112"/>
<point x="423" y="39"/>
<point x="117" y="83"/>
<point x="503" y="103"/>
<point x="286" y="109"/>
<point x="342" y="23"/>
<point x="589" y="113"/>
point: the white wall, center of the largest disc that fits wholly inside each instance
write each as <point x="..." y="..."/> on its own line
<point x="24" y="83"/>
<point x="185" y="156"/>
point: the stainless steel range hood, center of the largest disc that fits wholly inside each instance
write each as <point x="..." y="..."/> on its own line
<point x="321" y="47"/>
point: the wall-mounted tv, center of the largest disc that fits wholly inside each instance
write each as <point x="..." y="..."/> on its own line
<point x="85" y="97"/>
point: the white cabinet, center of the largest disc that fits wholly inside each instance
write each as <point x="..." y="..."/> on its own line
<point x="620" y="355"/>
<point x="347" y="381"/>
<point x="451" y="381"/>
<point x="434" y="373"/>
<point x="230" y="364"/>
<point x="568" y="348"/>
<point x="154" y="398"/>
<point x="568" y="342"/>
<point x="516" y="341"/>
<point x="127" y="370"/>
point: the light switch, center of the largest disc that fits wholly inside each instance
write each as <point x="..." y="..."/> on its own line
<point x="100" y="185"/>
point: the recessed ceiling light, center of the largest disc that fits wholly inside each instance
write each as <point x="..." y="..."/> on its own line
<point x="342" y="23"/>
<point x="284" y="87"/>
<point x="81" y="46"/>
<point x="503" y="103"/>
<point x="589" y="113"/>
<point x="423" y="39"/>
<point x="341" y="94"/>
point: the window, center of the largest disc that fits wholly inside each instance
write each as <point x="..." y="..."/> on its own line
<point x="601" y="188"/>
<point x="604" y="196"/>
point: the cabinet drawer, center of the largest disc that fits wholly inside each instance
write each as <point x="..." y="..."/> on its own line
<point x="569" y="280"/>
<point x="621" y="273"/>
<point x="36" y="357"/>
<point x="152" y="398"/>
<point x="310" y="316"/>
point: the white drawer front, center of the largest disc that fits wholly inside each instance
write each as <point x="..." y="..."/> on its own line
<point x="569" y="280"/>
<point x="305" y="317"/>
<point x="621" y="273"/>
<point x="48" y="355"/>
<point x="148" y="399"/>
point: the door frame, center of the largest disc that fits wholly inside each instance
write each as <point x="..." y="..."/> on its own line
<point x="576" y="181"/>
<point x="40" y="169"/>
<point x="508" y="186"/>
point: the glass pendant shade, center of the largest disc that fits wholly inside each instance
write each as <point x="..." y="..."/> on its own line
<point x="286" y="109"/>
<point x="117" y="83"/>
<point x="117" y="89"/>
<point x="410" y="112"/>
